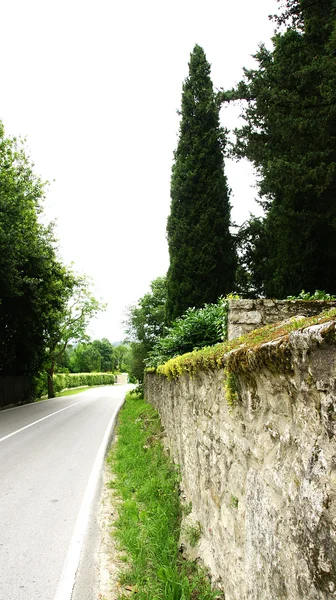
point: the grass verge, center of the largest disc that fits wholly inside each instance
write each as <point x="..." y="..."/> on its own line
<point x="149" y="514"/>
<point x="74" y="391"/>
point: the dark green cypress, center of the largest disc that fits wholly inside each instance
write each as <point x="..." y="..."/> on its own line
<point x="290" y="136"/>
<point x="202" y="256"/>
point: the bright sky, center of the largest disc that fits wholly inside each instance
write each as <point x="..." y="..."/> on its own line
<point x="95" y="87"/>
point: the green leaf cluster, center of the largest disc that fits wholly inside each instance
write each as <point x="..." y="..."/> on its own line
<point x="196" y="328"/>
<point x="98" y="355"/>
<point x="144" y="325"/>
<point x="318" y="295"/>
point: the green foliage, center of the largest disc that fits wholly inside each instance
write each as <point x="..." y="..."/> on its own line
<point x="209" y="358"/>
<point x="99" y="355"/>
<point x="149" y="515"/>
<point x="144" y="321"/>
<point x="193" y="533"/>
<point x="34" y="285"/>
<point x="69" y="324"/>
<point x="195" y="329"/>
<point x="85" y="358"/>
<point x="139" y="355"/>
<point x="72" y="380"/>
<point x="248" y="354"/>
<point x="231" y="387"/>
<point x="202" y="257"/>
<point x="252" y="252"/>
<point x="234" y="501"/>
<point x="121" y="359"/>
<point x="144" y="324"/>
<point x="289" y="135"/>
<point x="318" y="295"/>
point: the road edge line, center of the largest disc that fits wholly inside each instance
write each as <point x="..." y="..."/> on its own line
<point x="67" y="581"/>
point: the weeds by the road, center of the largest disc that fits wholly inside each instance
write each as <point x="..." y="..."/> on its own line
<point x="149" y="514"/>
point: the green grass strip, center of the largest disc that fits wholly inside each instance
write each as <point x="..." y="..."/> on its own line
<point x="74" y="391"/>
<point x="148" y="525"/>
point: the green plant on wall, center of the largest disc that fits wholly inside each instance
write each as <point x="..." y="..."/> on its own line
<point x="234" y="501"/>
<point x="193" y="533"/>
<point x="231" y="387"/>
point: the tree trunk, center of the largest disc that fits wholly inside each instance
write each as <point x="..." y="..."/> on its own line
<point x="50" y="376"/>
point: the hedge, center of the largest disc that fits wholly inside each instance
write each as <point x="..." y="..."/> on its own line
<point x="72" y="380"/>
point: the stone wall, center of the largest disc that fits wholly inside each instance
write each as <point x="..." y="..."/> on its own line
<point x="261" y="476"/>
<point x="245" y="315"/>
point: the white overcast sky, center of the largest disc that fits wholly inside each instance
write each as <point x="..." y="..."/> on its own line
<point x="95" y="87"/>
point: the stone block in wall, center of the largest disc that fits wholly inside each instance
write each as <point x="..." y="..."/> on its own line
<point x="246" y="315"/>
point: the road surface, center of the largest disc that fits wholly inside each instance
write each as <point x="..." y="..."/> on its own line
<point x="51" y="455"/>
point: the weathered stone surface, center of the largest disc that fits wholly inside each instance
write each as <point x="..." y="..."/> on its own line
<point x="246" y="315"/>
<point x="261" y="476"/>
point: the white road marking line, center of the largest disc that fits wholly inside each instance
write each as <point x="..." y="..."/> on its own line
<point x="68" y="577"/>
<point x="39" y="420"/>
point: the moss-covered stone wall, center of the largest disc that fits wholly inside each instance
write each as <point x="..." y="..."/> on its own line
<point x="246" y="315"/>
<point x="254" y="435"/>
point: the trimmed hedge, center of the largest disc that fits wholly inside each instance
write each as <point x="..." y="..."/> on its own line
<point x="71" y="380"/>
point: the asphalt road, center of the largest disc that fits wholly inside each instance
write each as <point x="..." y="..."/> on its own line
<point x="50" y="458"/>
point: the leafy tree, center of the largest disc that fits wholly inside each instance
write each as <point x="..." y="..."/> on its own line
<point x="202" y="257"/>
<point x="34" y="284"/>
<point x="290" y="137"/>
<point x="144" y="324"/>
<point x="69" y="324"/>
<point x="84" y="358"/>
<point x="137" y="363"/>
<point x="121" y="358"/>
<point x="106" y="353"/>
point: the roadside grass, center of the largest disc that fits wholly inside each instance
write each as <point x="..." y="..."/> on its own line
<point x="74" y="391"/>
<point x="147" y="529"/>
<point x="70" y="392"/>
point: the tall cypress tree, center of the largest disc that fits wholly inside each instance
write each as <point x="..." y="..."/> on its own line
<point x="202" y="256"/>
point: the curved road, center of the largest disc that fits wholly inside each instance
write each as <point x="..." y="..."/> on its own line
<point x="51" y="455"/>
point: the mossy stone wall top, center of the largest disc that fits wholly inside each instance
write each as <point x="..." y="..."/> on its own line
<point x="246" y="315"/>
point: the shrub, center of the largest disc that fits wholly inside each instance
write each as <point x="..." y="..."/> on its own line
<point x="196" y="329"/>
<point x="318" y="295"/>
<point x="72" y="380"/>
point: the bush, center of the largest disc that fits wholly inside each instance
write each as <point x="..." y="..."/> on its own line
<point x="72" y="380"/>
<point x="318" y="295"/>
<point x="196" y="329"/>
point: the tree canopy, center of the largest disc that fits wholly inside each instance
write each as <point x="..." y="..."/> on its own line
<point x="201" y="250"/>
<point x="290" y="136"/>
<point x="144" y="325"/>
<point x="70" y="324"/>
<point x="34" y="285"/>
